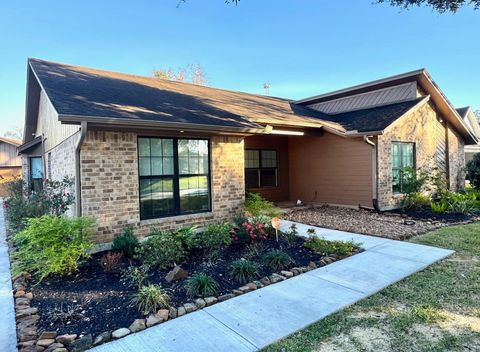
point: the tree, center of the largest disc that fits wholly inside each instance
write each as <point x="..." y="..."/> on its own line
<point x="438" y="5"/>
<point x="192" y="73"/>
<point x="16" y="133"/>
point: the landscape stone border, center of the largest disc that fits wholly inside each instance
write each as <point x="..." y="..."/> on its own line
<point x="48" y="341"/>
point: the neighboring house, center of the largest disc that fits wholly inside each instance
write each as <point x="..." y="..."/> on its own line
<point x="10" y="162"/>
<point x="468" y="116"/>
<point x="151" y="152"/>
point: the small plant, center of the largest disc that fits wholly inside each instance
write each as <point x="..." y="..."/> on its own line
<point x="183" y="234"/>
<point x="126" y="243"/>
<point x="323" y="246"/>
<point x="111" y="262"/>
<point x="277" y="260"/>
<point x="255" y="205"/>
<point x="201" y="285"/>
<point x="151" y="298"/>
<point x="292" y="235"/>
<point x="161" y="249"/>
<point x="254" y="250"/>
<point x="135" y="275"/>
<point x="53" y="245"/>
<point x="438" y="207"/>
<point x="311" y="231"/>
<point x="248" y="233"/>
<point x="243" y="271"/>
<point x="215" y="237"/>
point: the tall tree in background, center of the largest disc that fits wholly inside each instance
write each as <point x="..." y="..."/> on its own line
<point x="438" y="5"/>
<point x="192" y="73"/>
<point x="16" y="133"/>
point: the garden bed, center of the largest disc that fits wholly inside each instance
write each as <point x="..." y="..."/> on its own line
<point x="93" y="302"/>
<point x="398" y="224"/>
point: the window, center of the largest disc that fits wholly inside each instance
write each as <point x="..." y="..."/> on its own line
<point x="36" y="173"/>
<point x="174" y="176"/>
<point x="260" y="168"/>
<point x="402" y="156"/>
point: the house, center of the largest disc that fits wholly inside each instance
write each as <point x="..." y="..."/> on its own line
<point x="10" y="162"/>
<point x="471" y="121"/>
<point x="157" y="153"/>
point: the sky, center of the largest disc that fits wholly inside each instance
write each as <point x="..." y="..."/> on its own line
<point x="300" y="47"/>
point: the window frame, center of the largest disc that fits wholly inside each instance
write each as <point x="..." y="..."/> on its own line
<point x="30" y="178"/>
<point x="175" y="178"/>
<point x="260" y="168"/>
<point x="414" y="163"/>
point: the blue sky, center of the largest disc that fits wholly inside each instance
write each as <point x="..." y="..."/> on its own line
<point x="301" y="47"/>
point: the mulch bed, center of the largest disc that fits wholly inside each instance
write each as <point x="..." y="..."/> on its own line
<point x="93" y="301"/>
<point x="398" y="224"/>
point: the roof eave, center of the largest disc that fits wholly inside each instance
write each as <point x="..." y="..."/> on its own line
<point x="171" y="126"/>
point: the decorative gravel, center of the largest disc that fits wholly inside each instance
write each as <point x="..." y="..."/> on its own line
<point x="391" y="225"/>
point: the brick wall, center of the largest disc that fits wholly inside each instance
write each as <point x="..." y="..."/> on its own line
<point x="422" y="127"/>
<point x="456" y="148"/>
<point x="109" y="182"/>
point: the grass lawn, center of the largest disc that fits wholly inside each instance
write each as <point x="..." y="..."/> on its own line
<point x="437" y="309"/>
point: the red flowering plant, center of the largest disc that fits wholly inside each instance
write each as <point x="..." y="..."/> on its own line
<point x="248" y="232"/>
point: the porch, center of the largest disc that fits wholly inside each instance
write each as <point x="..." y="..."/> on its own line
<point x="313" y="167"/>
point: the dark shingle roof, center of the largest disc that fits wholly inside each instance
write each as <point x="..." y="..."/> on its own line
<point x="463" y="111"/>
<point x="82" y="91"/>
<point x="373" y="119"/>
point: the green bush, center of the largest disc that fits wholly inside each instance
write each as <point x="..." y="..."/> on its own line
<point x="439" y="207"/>
<point x="473" y="170"/>
<point x="161" y="249"/>
<point x="201" y="285"/>
<point x="53" y="245"/>
<point x="243" y="271"/>
<point x="416" y="200"/>
<point x="54" y="198"/>
<point x="135" y="275"/>
<point x="126" y="243"/>
<point x="215" y="237"/>
<point x="326" y="247"/>
<point x="151" y="298"/>
<point x="256" y="206"/>
<point x="184" y="233"/>
<point x="290" y="236"/>
<point x="277" y="260"/>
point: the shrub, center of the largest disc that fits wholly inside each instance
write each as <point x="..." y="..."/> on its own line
<point x="201" y="285"/>
<point x="151" y="298"/>
<point x="248" y="233"/>
<point x="243" y="271"/>
<point x="184" y="233"/>
<point x="53" y="245"/>
<point x="416" y="200"/>
<point x="126" y="243"/>
<point x="111" y="262"/>
<point x="277" y="260"/>
<point x="215" y="237"/>
<point x="325" y="247"/>
<point x="161" y="249"/>
<point x="290" y="236"/>
<point x="54" y="198"/>
<point x="135" y="275"/>
<point x="473" y="170"/>
<point x="256" y="206"/>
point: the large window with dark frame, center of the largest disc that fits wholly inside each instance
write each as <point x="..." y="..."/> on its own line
<point x="403" y="156"/>
<point x="261" y="168"/>
<point x="36" y="173"/>
<point x="174" y="176"/>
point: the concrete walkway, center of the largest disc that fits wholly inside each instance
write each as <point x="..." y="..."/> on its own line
<point x="8" y="335"/>
<point x="254" y="320"/>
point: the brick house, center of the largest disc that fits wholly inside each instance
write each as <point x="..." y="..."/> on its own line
<point x="151" y="152"/>
<point x="10" y="162"/>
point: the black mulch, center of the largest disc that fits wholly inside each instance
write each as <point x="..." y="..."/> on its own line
<point x="93" y="301"/>
<point x="426" y="214"/>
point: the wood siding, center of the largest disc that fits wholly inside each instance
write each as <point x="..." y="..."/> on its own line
<point x="330" y="169"/>
<point x="54" y="132"/>
<point x="9" y="155"/>
<point x="377" y="97"/>
<point x="280" y="144"/>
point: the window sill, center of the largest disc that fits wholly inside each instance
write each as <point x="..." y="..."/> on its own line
<point x="174" y="218"/>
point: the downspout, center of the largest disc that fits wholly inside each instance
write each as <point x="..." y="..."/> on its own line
<point x="374" y="172"/>
<point x="78" y="191"/>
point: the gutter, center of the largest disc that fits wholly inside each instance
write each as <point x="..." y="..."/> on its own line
<point x="374" y="172"/>
<point x="78" y="191"/>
